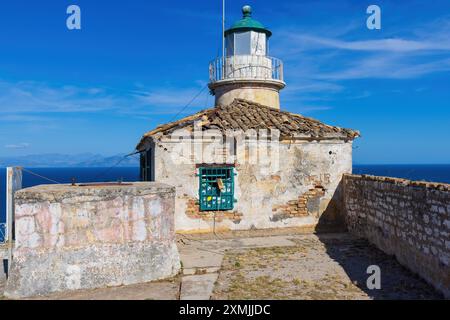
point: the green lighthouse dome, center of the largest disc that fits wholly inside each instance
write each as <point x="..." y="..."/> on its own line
<point x="247" y="23"/>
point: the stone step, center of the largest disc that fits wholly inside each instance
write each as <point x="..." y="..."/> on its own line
<point x="198" y="287"/>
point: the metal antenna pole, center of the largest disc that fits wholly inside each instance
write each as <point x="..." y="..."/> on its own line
<point x="223" y="32"/>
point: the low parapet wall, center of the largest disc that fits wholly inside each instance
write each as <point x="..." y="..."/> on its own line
<point x="3" y="258"/>
<point x="85" y="237"/>
<point x="3" y="252"/>
<point x="408" y="219"/>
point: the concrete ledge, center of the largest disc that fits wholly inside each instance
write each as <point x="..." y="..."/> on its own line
<point x="3" y="258"/>
<point x="399" y="181"/>
<point x="91" y="267"/>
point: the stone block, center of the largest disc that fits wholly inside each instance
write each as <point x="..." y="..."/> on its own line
<point x="87" y="237"/>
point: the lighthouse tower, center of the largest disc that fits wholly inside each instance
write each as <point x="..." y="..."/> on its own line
<point x="247" y="71"/>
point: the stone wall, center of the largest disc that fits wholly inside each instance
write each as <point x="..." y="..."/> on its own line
<point x="265" y="92"/>
<point x="3" y="259"/>
<point x="302" y="191"/>
<point x="85" y="237"/>
<point x="408" y="219"/>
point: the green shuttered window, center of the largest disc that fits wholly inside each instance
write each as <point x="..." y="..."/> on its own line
<point x="216" y="189"/>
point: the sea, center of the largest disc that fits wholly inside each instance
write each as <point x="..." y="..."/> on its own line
<point x="63" y="175"/>
<point x="432" y="173"/>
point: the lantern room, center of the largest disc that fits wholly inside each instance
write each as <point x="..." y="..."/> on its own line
<point x="247" y="71"/>
<point x="247" y="36"/>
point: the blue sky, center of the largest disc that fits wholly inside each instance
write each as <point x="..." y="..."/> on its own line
<point x="136" y="63"/>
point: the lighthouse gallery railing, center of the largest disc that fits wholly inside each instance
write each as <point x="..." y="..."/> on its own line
<point x="246" y="67"/>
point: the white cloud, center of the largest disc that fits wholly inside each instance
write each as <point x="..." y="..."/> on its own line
<point x="35" y="97"/>
<point x="23" y="118"/>
<point x="171" y="97"/>
<point x="386" y="45"/>
<point x="387" y="67"/>
<point x="405" y="55"/>
<point x="23" y="145"/>
<point x="308" y="109"/>
<point x="314" y="86"/>
<point x="299" y="91"/>
<point x="26" y="101"/>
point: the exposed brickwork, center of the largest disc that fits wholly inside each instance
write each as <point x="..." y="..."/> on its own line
<point x="193" y="212"/>
<point x="408" y="219"/>
<point x="306" y="204"/>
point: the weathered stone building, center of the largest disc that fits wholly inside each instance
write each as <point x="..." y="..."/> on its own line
<point x="245" y="163"/>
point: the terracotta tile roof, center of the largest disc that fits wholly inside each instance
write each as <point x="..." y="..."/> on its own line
<point x="245" y="115"/>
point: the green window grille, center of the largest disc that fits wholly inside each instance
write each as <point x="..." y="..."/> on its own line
<point x="216" y="189"/>
<point x="147" y="169"/>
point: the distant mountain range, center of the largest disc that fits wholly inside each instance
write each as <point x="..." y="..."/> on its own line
<point x="54" y="160"/>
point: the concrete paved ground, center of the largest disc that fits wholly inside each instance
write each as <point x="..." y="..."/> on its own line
<point x="326" y="267"/>
<point x="198" y="287"/>
<point x="286" y="266"/>
<point x="202" y="260"/>
<point x="3" y="251"/>
<point x="161" y="290"/>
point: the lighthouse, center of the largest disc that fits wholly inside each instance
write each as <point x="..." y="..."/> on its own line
<point x="244" y="163"/>
<point x="247" y="71"/>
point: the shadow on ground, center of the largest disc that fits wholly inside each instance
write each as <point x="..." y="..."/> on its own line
<point x="316" y="267"/>
<point x="356" y="255"/>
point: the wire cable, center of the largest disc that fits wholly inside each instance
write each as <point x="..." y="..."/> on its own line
<point x="101" y="174"/>
<point x="190" y="102"/>
<point x="40" y="176"/>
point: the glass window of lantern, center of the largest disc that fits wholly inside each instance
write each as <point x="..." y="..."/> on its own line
<point x="259" y="44"/>
<point x="242" y="43"/>
<point x="230" y="44"/>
